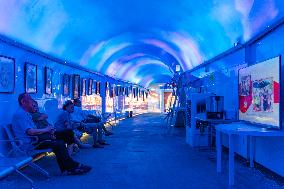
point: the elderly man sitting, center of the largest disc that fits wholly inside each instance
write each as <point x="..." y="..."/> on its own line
<point x="24" y="127"/>
<point x="81" y="117"/>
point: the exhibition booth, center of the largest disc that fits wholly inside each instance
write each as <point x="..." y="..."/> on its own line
<point x="240" y="108"/>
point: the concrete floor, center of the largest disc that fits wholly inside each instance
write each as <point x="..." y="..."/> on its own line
<point x="143" y="154"/>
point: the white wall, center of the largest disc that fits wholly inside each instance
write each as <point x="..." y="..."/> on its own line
<point x="269" y="152"/>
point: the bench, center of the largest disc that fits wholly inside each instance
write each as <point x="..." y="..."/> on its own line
<point x="16" y="158"/>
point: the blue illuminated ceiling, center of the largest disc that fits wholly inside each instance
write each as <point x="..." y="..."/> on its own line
<point x="139" y="41"/>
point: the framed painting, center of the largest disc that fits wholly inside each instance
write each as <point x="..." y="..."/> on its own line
<point x="98" y="91"/>
<point x="84" y="87"/>
<point x="90" y="86"/>
<point x="7" y="74"/>
<point x="107" y="89"/>
<point x="48" y="73"/>
<point x="94" y="88"/>
<point x="76" y="86"/>
<point x="111" y="92"/>
<point x="127" y="91"/>
<point x="66" y="85"/>
<point x="116" y="89"/>
<point x="30" y="78"/>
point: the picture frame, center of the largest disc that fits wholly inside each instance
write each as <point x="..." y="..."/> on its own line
<point x="111" y="91"/>
<point x="30" y="78"/>
<point x="66" y="85"/>
<point x="7" y="74"/>
<point x="90" y="86"/>
<point x="48" y="74"/>
<point x="76" y="86"/>
<point x="84" y="87"/>
<point x="127" y="91"/>
<point x="94" y="88"/>
<point x="107" y="93"/>
<point x="98" y="89"/>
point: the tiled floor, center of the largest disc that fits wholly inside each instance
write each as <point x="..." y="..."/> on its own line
<point x="144" y="155"/>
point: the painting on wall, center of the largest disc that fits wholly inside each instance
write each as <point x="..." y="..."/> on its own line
<point x="48" y="73"/>
<point x="76" y="86"/>
<point x="30" y="78"/>
<point x="94" y="88"/>
<point x="262" y="95"/>
<point x="107" y="89"/>
<point x="98" y="87"/>
<point x="7" y="74"/>
<point x="245" y="85"/>
<point x="90" y="86"/>
<point x="84" y="86"/>
<point x="66" y="85"/>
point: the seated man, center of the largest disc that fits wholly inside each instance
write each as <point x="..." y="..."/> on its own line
<point x="40" y="121"/>
<point x="64" y="123"/>
<point x="81" y="117"/>
<point x="96" y="117"/>
<point x="23" y="127"/>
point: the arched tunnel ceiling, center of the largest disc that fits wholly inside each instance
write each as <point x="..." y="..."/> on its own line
<point x="139" y="41"/>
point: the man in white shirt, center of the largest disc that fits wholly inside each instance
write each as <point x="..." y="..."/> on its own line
<point x="80" y="116"/>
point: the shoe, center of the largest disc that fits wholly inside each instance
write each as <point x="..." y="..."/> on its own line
<point x="85" y="146"/>
<point x="79" y="170"/>
<point x="85" y="167"/>
<point x="96" y="145"/>
<point x="76" y="149"/>
<point x="108" y="133"/>
<point x="103" y="143"/>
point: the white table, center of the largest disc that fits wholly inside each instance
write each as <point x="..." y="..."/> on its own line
<point x="240" y="129"/>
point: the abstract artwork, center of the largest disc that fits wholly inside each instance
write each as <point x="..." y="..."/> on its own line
<point x="7" y="74"/>
<point x="84" y="86"/>
<point x="48" y="80"/>
<point x="76" y="86"/>
<point x="263" y="95"/>
<point x="66" y="84"/>
<point x="30" y="78"/>
<point x="90" y="87"/>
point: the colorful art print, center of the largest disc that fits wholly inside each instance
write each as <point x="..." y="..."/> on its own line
<point x="48" y="74"/>
<point x="245" y="85"/>
<point x="84" y="86"/>
<point x="90" y="86"/>
<point x="262" y="95"/>
<point x="76" y="86"/>
<point x="7" y="74"/>
<point x="98" y="90"/>
<point x="66" y="84"/>
<point x="30" y="78"/>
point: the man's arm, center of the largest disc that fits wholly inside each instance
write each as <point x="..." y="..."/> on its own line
<point x="32" y="131"/>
